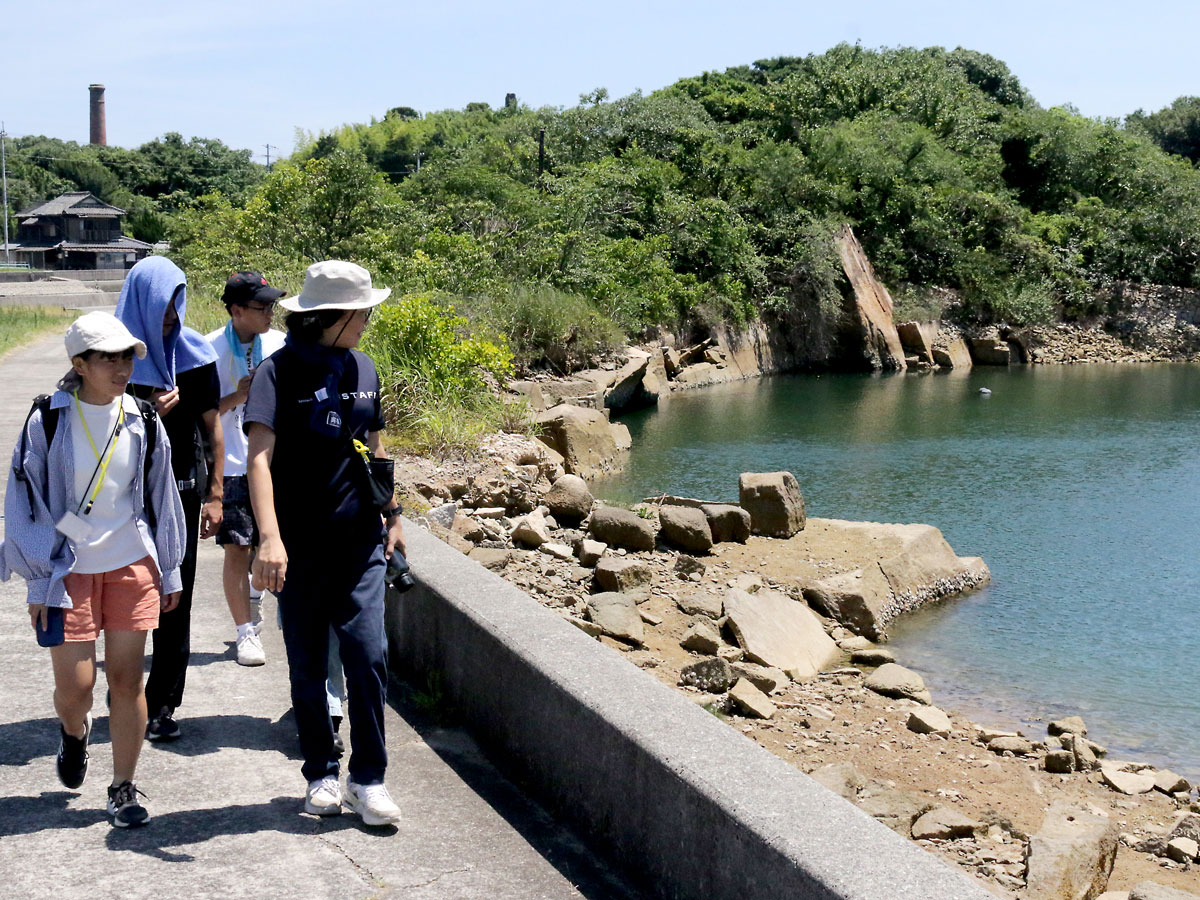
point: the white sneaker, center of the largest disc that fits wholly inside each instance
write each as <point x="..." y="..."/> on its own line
<point x="372" y="802"/>
<point x="324" y="797"/>
<point x="250" y="650"/>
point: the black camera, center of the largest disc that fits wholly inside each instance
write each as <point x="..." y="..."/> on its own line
<point x="398" y="575"/>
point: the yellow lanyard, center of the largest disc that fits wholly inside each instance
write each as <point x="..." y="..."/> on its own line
<point x="112" y="448"/>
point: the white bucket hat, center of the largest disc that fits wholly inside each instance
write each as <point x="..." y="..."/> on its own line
<point x="335" y="284"/>
<point x="102" y="332"/>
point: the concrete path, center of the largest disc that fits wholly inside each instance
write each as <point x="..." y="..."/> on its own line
<point x="226" y="798"/>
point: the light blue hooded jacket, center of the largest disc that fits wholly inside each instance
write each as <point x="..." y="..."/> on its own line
<point x="32" y="546"/>
<point x="148" y="290"/>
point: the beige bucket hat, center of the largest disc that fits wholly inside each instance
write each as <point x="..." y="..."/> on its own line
<point x="335" y="284"/>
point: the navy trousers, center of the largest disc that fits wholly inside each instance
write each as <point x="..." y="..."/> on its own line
<point x="342" y="588"/>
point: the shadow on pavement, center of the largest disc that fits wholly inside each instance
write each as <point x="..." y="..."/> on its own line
<point x="47" y="812"/>
<point x="281" y="815"/>
<point x="22" y="742"/>
<point x="209" y="734"/>
<point x="594" y="878"/>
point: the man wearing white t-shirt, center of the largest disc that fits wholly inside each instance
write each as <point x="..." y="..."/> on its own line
<point x="245" y="341"/>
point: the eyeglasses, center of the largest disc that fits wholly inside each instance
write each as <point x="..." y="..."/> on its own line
<point x="261" y="307"/>
<point x="366" y="314"/>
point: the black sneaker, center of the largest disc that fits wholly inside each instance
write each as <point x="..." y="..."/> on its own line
<point x="339" y="746"/>
<point x="124" y="808"/>
<point x="73" y="756"/>
<point x="162" y="727"/>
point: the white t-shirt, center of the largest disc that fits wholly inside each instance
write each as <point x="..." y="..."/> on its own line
<point x="231" y="420"/>
<point x="114" y="541"/>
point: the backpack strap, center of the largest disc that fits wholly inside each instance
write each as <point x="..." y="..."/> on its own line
<point x="150" y="421"/>
<point x="49" y="426"/>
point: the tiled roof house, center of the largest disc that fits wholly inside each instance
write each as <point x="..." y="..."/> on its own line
<point x="77" y="230"/>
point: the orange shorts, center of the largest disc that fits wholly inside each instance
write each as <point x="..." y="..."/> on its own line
<point x="125" y="599"/>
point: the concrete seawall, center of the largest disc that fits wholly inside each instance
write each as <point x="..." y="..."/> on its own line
<point x="685" y="803"/>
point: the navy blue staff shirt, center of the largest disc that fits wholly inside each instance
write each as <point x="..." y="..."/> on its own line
<point x="319" y="494"/>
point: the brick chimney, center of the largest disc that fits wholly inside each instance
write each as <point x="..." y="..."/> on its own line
<point x="97" y="135"/>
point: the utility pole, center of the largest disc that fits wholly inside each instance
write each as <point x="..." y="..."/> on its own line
<point x="269" y="148"/>
<point x="4" y="173"/>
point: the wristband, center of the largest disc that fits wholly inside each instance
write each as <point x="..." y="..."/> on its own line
<point x="393" y="512"/>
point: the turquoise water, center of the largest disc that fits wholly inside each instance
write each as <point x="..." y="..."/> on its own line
<point x="1079" y="486"/>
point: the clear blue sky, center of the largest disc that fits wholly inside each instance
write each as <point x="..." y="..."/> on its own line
<point x="250" y="73"/>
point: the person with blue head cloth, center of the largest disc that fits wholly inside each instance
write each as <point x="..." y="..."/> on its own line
<point x="179" y="375"/>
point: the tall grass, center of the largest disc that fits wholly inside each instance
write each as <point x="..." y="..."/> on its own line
<point x="440" y="381"/>
<point x="21" y="324"/>
<point x="549" y="329"/>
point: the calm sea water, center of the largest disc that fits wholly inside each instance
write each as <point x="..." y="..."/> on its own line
<point x="1079" y="486"/>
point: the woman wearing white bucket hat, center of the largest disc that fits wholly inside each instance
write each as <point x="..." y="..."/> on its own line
<point x="325" y="537"/>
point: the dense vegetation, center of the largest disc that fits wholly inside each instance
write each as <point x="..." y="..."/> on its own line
<point x="715" y="199"/>
<point x="151" y="182"/>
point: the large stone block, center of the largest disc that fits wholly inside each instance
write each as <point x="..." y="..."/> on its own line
<point x="990" y="352"/>
<point x="894" y="680"/>
<point x="621" y="528"/>
<point x="628" y="390"/>
<point x="686" y="528"/>
<point x="774" y="502"/>
<point x="727" y="522"/>
<point x="617" y="616"/>
<point x="616" y="573"/>
<point x="583" y="437"/>
<point x="1071" y="857"/>
<point x="869" y="333"/>
<point x="914" y="340"/>
<point x="954" y="355"/>
<point x="776" y="630"/>
<point x="916" y="566"/>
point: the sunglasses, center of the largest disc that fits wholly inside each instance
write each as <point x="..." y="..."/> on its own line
<point x="260" y="307"/>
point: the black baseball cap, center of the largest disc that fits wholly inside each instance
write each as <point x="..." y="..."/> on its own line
<point x="249" y="287"/>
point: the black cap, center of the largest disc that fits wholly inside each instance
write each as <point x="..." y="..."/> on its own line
<point x="249" y="287"/>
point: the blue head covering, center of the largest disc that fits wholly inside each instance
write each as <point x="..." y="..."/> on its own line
<point x="148" y="290"/>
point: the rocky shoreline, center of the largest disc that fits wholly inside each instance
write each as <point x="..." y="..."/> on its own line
<point x="772" y="621"/>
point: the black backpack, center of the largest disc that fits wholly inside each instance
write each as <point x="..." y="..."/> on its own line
<point x="50" y="426"/>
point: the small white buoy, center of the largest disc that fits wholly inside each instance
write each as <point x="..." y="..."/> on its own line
<point x="985" y="391"/>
